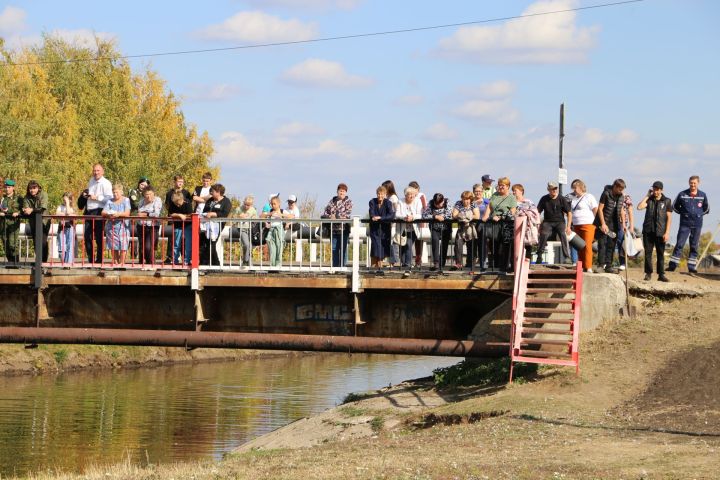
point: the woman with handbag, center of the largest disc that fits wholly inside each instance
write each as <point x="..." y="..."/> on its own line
<point x="501" y="211"/>
<point x="406" y="233"/>
<point x="583" y="207"/>
<point x="465" y="212"/>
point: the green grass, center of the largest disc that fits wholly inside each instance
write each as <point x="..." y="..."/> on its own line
<point x="481" y="373"/>
<point x="352" y="411"/>
<point x="60" y="355"/>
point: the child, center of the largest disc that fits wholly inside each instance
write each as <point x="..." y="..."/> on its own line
<point x="66" y="229"/>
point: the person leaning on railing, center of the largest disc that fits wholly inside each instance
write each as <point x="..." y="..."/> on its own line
<point x="339" y="208"/>
<point x="35" y="203"/>
<point x="150" y="207"/>
<point x="379" y="209"/>
<point x="440" y="230"/>
<point x="247" y="210"/>
<point x="500" y="211"/>
<point x="117" y="228"/>
<point x="10" y="221"/>
<point x="465" y="212"/>
<point x="180" y="208"/>
<point x="218" y="206"/>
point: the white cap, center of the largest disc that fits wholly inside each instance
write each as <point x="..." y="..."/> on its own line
<point x="273" y="195"/>
<point x="292" y="198"/>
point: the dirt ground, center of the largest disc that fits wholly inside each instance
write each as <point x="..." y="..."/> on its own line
<point x="646" y="405"/>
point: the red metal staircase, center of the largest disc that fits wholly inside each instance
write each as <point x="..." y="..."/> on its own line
<point x="546" y="315"/>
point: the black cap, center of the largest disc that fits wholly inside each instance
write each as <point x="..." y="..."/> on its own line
<point x="657" y="184"/>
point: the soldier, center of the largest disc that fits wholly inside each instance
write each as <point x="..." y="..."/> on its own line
<point x="10" y="221"/>
<point x="692" y="204"/>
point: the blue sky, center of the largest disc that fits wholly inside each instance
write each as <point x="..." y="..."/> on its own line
<point x="442" y="107"/>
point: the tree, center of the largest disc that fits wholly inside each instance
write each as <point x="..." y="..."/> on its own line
<point x="68" y="107"/>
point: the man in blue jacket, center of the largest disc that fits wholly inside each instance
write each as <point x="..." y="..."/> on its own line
<point x="692" y="204"/>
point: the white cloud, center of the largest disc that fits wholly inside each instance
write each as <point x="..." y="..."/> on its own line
<point x="410" y="100"/>
<point x="297" y="129"/>
<point x="462" y="158"/>
<point x="315" y="72"/>
<point x="308" y="4"/>
<point x="596" y="136"/>
<point x="332" y="148"/>
<point x="489" y="111"/>
<point x="440" y="131"/>
<point x="258" y="27"/>
<point x="212" y="93"/>
<point x="234" y="149"/>
<point x="711" y="150"/>
<point x="497" y="89"/>
<point x="12" y="21"/>
<point x="407" y="154"/>
<point x="554" y="38"/>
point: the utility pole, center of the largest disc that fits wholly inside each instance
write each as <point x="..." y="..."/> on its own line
<point x="562" y="173"/>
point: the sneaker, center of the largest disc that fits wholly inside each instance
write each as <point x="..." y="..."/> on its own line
<point x="456" y="267"/>
<point x="621" y="268"/>
<point x="663" y="278"/>
<point x="406" y="273"/>
<point x="692" y="270"/>
<point x="434" y="267"/>
<point x="648" y="277"/>
<point x="588" y="270"/>
<point x="671" y="267"/>
<point x="610" y="270"/>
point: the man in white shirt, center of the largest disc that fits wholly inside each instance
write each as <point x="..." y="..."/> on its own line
<point x="202" y="192"/>
<point x="96" y="195"/>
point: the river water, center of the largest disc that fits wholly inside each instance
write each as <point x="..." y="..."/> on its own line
<point x="187" y="412"/>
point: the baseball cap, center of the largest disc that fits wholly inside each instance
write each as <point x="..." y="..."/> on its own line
<point x="552" y="185"/>
<point x="9" y="183"/>
<point x="657" y="184"/>
<point x="487" y="178"/>
<point x="273" y="195"/>
<point x="292" y="198"/>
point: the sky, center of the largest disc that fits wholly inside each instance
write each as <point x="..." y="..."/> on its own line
<point x="442" y="106"/>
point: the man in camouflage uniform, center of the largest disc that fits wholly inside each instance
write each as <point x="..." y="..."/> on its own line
<point x="10" y="221"/>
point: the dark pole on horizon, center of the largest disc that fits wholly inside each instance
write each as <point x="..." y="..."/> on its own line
<point x="562" y="137"/>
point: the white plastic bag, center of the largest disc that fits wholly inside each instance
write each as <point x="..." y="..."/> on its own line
<point x="632" y="245"/>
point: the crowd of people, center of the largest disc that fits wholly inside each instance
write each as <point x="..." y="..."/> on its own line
<point x="484" y="217"/>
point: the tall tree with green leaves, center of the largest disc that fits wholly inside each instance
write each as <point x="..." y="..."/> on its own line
<point x="64" y="107"/>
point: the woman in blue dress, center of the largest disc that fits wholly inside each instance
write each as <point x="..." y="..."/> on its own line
<point x="117" y="231"/>
<point x="380" y="209"/>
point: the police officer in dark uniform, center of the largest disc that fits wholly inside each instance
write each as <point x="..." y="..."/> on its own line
<point x="656" y="228"/>
<point x="692" y="204"/>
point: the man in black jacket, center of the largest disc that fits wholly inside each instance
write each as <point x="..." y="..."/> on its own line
<point x="611" y="218"/>
<point x="656" y="228"/>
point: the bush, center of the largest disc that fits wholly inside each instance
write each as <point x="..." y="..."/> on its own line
<point x="480" y="373"/>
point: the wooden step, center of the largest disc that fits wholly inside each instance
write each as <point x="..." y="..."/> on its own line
<point x="553" y="281"/>
<point x="552" y="331"/>
<point x="533" y="341"/>
<point x="539" y="271"/>
<point x="550" y="290"/>
<point x="538" y="353"/>
<point x="559" y="321"/>
<point x="548" y="310"/>
<point x="548" y="300"/>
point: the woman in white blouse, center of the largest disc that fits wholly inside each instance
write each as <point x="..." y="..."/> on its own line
<point x="407" y="210"/>
<point x="583" y="206"/>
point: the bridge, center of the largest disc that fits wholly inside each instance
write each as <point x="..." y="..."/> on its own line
<point x="302" y="303"/>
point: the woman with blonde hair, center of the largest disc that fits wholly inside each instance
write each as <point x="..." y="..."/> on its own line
<point x="117" y="228"/>
<point x="465" y="212"/>
<point x="406" y="233"/>
<point x="583" y="207"/>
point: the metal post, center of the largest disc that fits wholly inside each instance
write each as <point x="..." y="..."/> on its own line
<point x="195" y="252"/>
<point x="562" y="137"/>
<point x="37" y="268"/>
<point x="355" y="233"/>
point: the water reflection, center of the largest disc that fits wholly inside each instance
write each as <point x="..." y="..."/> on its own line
<point x="177" y="413"/>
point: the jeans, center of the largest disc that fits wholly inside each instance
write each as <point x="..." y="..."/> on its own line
<point x="606" y="247"/>
<point x="694" y="233"/>
<point x="440" y="241"/>
<point x="182" y="242"/>
<point x="406" y="251"/>
<point x="339" y="241"/>
<point x="547" y="229"/>
<point x="650" y="241"/>
<point x="66" y="240"/>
